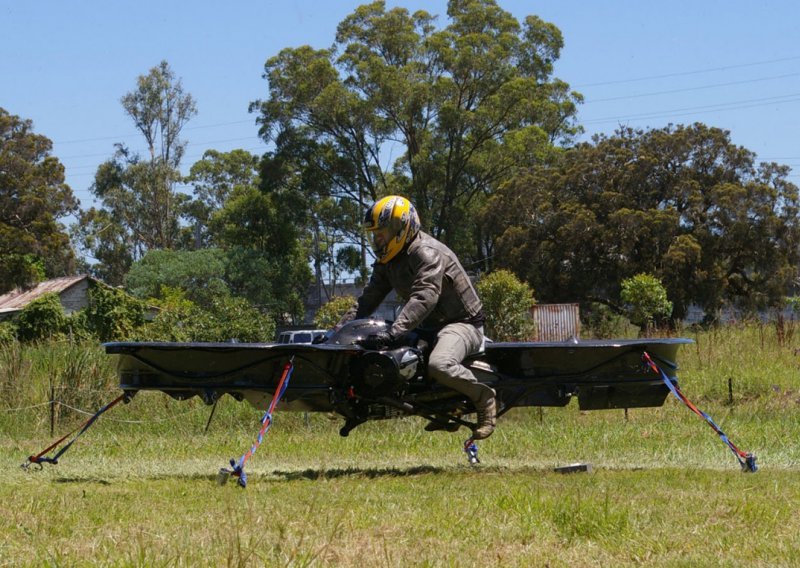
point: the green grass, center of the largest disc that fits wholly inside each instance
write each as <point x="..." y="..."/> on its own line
<point x="406" y="516"/>
<point x="139" y="488"/>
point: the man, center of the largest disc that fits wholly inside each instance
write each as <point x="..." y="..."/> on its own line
<point x="438" y="294"/>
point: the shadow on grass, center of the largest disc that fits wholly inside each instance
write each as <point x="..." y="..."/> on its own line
<point x="314" y="474"/>
<point x="369" y="473"/>
<point x="82" y="480"/>
<point x="308" y="474"/>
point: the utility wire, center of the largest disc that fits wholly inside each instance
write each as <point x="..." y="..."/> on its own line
<point x="690" y="89"/>
<point x="686" y="73"/>
<point x="734" y="105"/>
<point x="134" y="134"/>
<point x="194" y="154"/>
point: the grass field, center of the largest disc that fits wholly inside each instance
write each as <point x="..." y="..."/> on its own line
<point x="139" y="488"/>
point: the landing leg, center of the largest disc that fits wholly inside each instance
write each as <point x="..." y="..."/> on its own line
<point x="349" y="424"/>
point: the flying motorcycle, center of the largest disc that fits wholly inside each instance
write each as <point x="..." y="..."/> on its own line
<point x="340" y="374"/>
<point x="360" y="384"/>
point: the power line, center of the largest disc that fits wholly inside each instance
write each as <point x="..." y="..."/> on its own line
<point x="191" y="144"/>
<point x="220" y="124"/>
<point x="133" y="134"/>
<point x="735" y="105"/>
<point x="93" y="169"/>
<point x="686" y="73"/>
<point x="689" y="89"/>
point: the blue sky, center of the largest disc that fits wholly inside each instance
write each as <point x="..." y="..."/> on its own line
<point x="65" y="65"/>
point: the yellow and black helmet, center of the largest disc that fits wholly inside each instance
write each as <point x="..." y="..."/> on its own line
<point x="392" y="222"/>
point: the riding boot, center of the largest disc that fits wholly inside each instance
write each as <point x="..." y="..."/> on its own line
<point x="487" y="417"/>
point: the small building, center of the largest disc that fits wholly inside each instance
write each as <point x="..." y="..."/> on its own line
<point x="73" y="291"/>
<point x="556" y="322"/>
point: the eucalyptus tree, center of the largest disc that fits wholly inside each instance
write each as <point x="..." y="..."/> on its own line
<point x="214" y="179"/>
<point x="141" y="207"/>
<point x="443" y="115"/>
<point x="33" y="198"/>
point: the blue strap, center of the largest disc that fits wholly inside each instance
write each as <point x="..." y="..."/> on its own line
<point x="266" y="421"/>
<point x="746" y="460"/>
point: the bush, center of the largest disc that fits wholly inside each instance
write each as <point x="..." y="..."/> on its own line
<point x="112" y="314"/>
<point x="200" y="273"/>
<point x="42" y="318"/>
<point x="174" y="319"/>
<point x="77" y="328"/>
<point x="507" y="303"/>
<point x="228" y="318"/>
<point x="601" y="322"/>
<point x="234" y="318"/>
<point x="8" y="332"/>
<point x="646" y="299"/>
<point x="330" y="313"/>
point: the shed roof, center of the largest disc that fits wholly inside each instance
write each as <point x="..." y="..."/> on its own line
<point x="18" y="298"/>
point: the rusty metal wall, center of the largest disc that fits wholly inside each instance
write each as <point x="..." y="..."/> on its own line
<point x="556" y="322"/>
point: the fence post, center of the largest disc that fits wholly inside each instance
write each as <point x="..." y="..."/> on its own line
<point x="52" y="408"/>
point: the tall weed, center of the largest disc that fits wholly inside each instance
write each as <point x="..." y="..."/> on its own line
<point x="14" y="374"/>
<point x="740" y="361"/>
<point x="49" y="382"/>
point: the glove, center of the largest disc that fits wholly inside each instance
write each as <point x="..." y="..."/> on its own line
<point x="320" y="338"/>
<point x="377" y="341"/>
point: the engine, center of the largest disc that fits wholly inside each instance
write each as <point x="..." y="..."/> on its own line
<point x="378" y="374"/>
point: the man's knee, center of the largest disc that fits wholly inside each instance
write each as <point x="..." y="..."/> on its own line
<point x="442" y="368"/>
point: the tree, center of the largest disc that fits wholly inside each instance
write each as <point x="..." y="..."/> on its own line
<point x="33" y="197"/>
<point x="200" y="275"/>
<point x="214" y="179"/>
<point x="328" y="226"/>
<point x="273" y="280"/>
<point x="160" y="109"/>
<point x="332" y="253"/>
<point x="239" y="209"/>
<point x="646" y="300"/>
<point x="268" y="262"/>
<point x="140" y="204"/>
<point x="681" y="203"/>
<point x="457" y="109"/>
<point x="107" y="241"/>
<point x="507" y="303"/>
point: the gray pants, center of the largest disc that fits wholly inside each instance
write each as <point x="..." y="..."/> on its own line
<point x="454" y="343"/>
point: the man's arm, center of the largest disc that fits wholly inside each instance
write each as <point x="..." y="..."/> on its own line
<point x="428" y="267"/>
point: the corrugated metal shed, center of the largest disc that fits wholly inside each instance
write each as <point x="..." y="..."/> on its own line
<point x="17" y="299"/>
<point x="556" y="322"/>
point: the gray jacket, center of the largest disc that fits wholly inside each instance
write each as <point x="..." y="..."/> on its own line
<point x="429" y="278"/>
